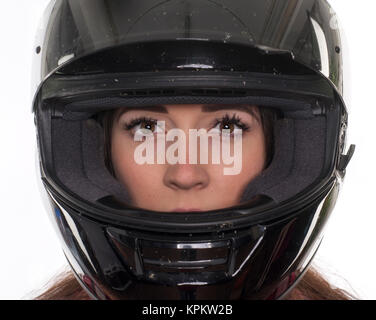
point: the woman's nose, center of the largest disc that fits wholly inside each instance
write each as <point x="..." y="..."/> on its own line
<point x="186" y="177"/>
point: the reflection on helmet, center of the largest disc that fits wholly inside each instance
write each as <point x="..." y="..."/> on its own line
<point x="269" y="70"/>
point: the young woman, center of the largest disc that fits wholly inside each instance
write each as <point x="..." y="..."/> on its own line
<point x="190" y="150"/>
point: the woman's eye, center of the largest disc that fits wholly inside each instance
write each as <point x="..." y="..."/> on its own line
<point x="230" y="125"/>
<point x="147" y="127"/>
<point x="226" y="126"/>
<point x="143" y="126"/>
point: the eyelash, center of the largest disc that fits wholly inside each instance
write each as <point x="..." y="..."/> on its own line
<point x="130" y="125"/>
<point x="235" y="119"/>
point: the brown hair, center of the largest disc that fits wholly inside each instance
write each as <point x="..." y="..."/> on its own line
<point x="106" y="119"/>
<point x="312" y="286"/>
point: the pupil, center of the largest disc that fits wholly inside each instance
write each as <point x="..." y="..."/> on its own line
<point x="228" y="126"/>
<point x="149" y="126"/>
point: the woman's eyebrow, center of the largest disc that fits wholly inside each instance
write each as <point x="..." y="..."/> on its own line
<point x="215" y="107"/>
<point x="161" y="109"/>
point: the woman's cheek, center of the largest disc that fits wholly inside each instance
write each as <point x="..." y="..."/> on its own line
<point x="122" y="158"/>
<point x="142" y="181"/>
<point x="252" y="162"/>
<point x="254" y="155"/>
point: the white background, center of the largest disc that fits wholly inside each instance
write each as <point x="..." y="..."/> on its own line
<point x="29" y="250"/>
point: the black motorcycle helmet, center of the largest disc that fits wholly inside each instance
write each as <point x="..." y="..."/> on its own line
<point x="96" y="55"/>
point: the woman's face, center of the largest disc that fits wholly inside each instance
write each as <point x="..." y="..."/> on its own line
<point x="186" y="187"/>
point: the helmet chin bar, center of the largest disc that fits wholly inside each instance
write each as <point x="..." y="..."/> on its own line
<point x="147" y="265"/>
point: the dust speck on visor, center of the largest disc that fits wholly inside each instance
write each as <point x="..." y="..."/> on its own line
<point x="279" y="60"/>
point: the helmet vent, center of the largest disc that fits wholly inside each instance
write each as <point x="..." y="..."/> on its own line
<point x="188" y="92"/>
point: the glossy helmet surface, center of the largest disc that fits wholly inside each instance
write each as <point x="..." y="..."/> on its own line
<point x="95" y="55"/>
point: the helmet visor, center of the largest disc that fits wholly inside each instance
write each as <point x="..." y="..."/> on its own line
<point x="306" y="30"/>
<point x="207" y="155"/>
